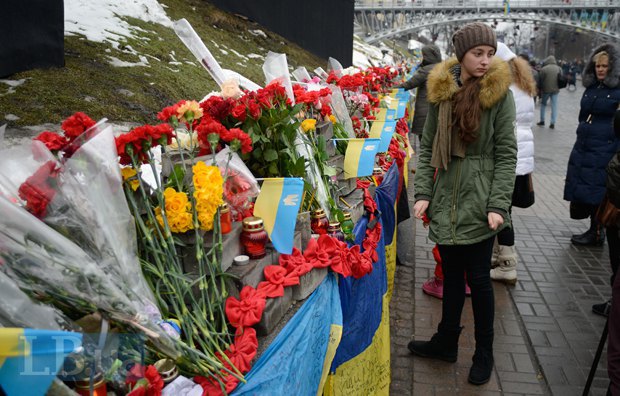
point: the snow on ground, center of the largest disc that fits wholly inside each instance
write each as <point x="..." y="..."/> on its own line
<point x="366" y="55"/>
<point x="101" y="20"/>
<point x="12" y="85"/>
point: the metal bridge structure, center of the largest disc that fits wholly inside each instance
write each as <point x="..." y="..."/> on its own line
<point x="378" y="20"/>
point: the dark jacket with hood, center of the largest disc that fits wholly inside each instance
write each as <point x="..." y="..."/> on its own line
<point x="596" y="142"/>
<point x="461" y="196"/>
<point x="430" y="57"/>
<point x="548" y="76"/>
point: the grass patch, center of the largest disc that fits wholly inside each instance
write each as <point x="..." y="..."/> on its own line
<point x="90" y="83"/>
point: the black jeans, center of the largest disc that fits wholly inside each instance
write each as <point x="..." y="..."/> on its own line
<point x="475" y="261"/>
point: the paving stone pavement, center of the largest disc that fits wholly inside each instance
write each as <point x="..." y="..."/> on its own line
<point x="546" y="334"/>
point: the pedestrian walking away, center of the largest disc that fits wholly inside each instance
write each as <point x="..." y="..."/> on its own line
<point x="595" y="145"/>
<point x="548" y="81"/>
<point x="469" y="137"/>
<point x="523" y="88"/>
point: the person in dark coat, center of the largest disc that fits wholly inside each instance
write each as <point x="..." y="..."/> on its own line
<point x="430" y="57"/>
<point x="549" y="89"/>
<point x="613" y="346"/>
<point x="596" y="142"/>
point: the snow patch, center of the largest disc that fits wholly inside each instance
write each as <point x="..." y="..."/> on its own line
<point x="102" y="20"/>
<point x="13" y="84"/>
<point x="255" y="56"/>
<point x="120" y="63"/>
<point x="258" y="32"/>
<point x="239" y="55"/>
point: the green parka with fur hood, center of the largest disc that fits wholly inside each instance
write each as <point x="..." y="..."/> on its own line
<point x="462" y="195"/>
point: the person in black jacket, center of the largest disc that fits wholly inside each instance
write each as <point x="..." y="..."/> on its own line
<point x="430" y="57"/>
<point x="596" y="142"/>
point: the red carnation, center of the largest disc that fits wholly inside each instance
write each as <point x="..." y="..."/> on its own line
<point x="52" y="141"/>
<point x="239" y="112"/>
<point x="75" y="125"/>
<point x="38" y="189"/>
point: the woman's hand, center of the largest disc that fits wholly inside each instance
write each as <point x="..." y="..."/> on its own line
<point x="419" y="208"/>
<point x="495" y="220"/>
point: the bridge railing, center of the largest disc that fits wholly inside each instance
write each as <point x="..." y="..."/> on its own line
<point x="484" y="3"/>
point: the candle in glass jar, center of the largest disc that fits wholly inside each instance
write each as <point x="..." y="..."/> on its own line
<point x="82" y="387"/>
<point x="254" y="237"/>
<point x="319" y="222"/>
<point x="334" y="231"/>
<point x="225" y="219"/>
<point x="347" y="224"/>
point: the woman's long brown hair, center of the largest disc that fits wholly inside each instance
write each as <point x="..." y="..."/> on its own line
<point x="468" y="110"/>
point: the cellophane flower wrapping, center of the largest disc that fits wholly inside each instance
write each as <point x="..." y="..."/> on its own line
<point x="80" y="257"/>
<point x="17" y="309"/>
<point x="340" y="110"/>
<point x="91" y="203"/>
<point x="275" y="68"/>
<point x="240" y="186"/>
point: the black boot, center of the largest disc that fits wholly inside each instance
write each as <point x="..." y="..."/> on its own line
<point x="480" y="372"/>
<point x="443" y="346"/>
<point x="595" y="236"/>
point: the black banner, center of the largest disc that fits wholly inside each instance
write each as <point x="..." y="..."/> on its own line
<point x="323" y="27"/>
<point x="31" y="35"/>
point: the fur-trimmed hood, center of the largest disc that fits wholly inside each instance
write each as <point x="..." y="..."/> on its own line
<point x="493" y="86"/>
<point x="612" y="80"/>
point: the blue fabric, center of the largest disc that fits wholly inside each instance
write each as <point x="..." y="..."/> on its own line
<point x="389" y="127"/>
<point x="293" y="363"/>
<point x="367" y="157"/>
<point x="33" y="374"/>
<point x="283" y="233"/>
<point x="400" y="112"/>
<point x="595" y="146"/>
<point x="385" y="196"/>
<point x="362" y="303"/>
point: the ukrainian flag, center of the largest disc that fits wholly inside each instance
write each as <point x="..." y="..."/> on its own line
<point x="299" y="358"/>
<point x="30" y="359"/>
<point x="278" y="204"/>
<point x="385" y="114"/>
<point x="359" y="159"/>
<point x="383" y="130"/>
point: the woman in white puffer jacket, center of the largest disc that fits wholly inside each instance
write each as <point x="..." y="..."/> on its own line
<point x="523" y="87"/>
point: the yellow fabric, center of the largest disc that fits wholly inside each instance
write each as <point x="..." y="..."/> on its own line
<point x="266" y="206"/>
<point x="382" y="115"/>
<point x="335" y="335"/>
<point x="352" y="157"/>
<point x="369" y="372"/>
<point x="12" y="344"/>
<point x="375" y="129"/>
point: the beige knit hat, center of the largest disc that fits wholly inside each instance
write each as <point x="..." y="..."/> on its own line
<point x="473" y="35"/>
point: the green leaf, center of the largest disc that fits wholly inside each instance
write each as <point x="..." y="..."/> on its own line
<point x="176" y="177"/>
<point x="297" y="168"/>
<point x="271" y="155"/>
<point x="329" y="171"/>
<point x="273" y="169"/>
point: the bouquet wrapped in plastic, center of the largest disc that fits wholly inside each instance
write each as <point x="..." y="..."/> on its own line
<point x="68" y="239"/>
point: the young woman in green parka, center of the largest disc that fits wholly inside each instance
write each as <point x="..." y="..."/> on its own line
<point x="469" y="141"/>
